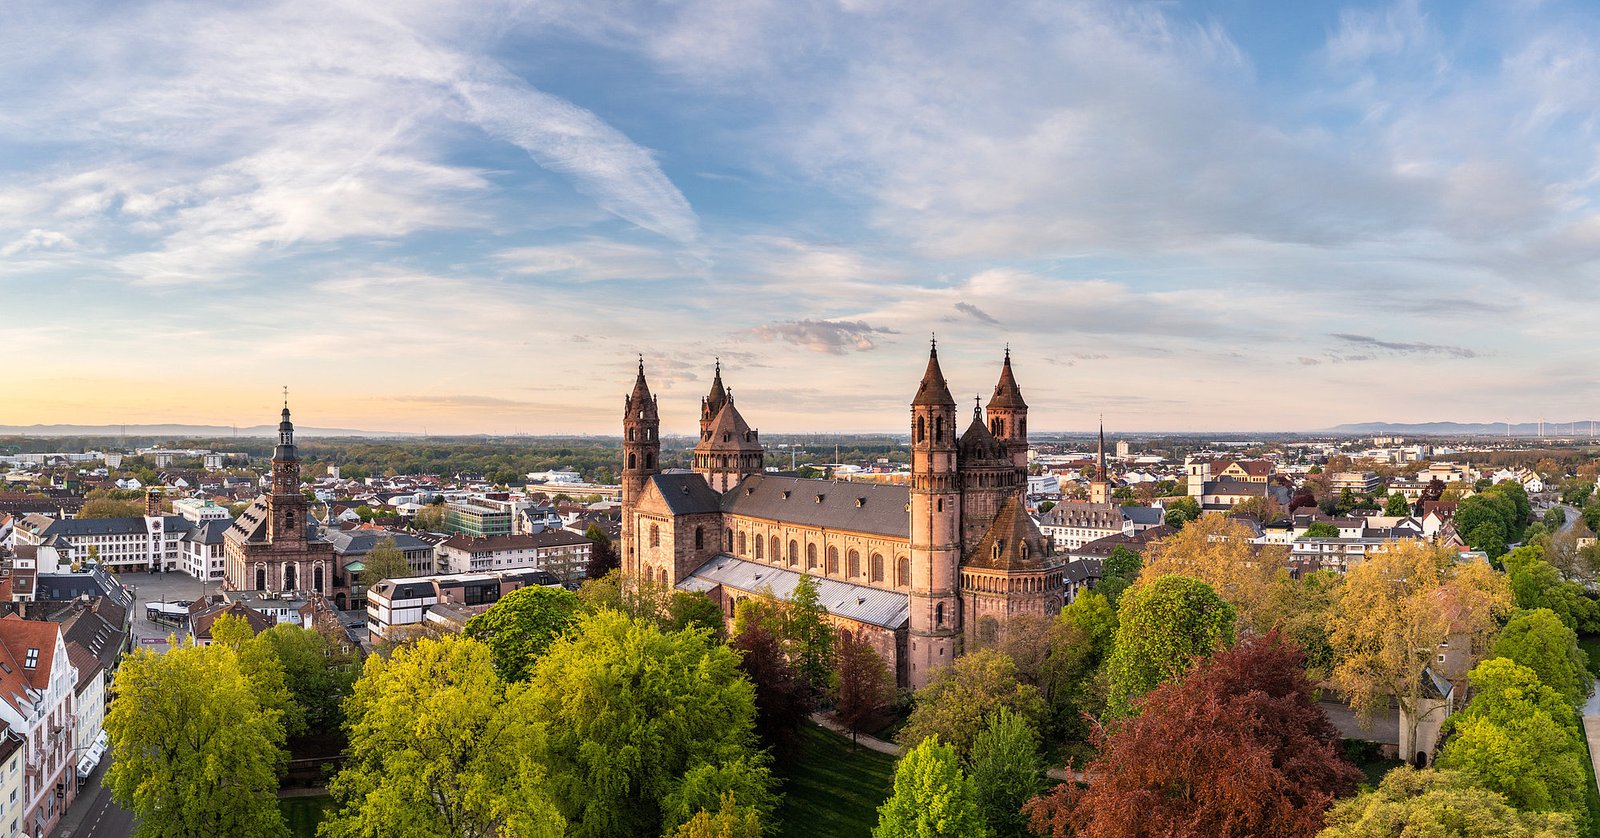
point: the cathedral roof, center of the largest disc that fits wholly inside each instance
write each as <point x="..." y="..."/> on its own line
<point x="979" y="445"/>
<point x="1006" y="392"/>
<point x="729" y="433"/>
<point x="687" y="493"/>
<point x="640" y="400"/>
<point x="835" y="504"/>
<point x="933" y="390"/>
<point x="1012" y="542"/>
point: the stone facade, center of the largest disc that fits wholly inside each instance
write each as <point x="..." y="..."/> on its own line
<point x="932" y="543"/>
<point x="274" y="545"/>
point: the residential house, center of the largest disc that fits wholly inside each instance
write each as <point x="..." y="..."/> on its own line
<point x="37" y="685"/>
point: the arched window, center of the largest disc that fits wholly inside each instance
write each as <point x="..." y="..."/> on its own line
<point x="811" y="557"/>
<point x="649" y="460"/>
<point x="833" y="561"/>
<point x="776" y="555"/>
<point x="877" y="567"/>
<point x="261" y="578"/>
<point x="699" y="538"/>
<point x="1022" y="550"/>
<point x="759" y="541"/>
<point x="922" y="428"/>
<point x="938" y="429"/>
<point x="794" y="553"/>
<point x="288" y="577"/>
<point x="630" y="460"/>
<point x="996" y="551"/>
<point x="855" y="564"/>
<point x="938" y="615"/>
<point x="288" y="520"/>
<point x="741" y="544"/>
<point x="655" y="536"/>
<point x="903" y="572"/>
<point x="630" y="434"/>
<point x="728" y="544"/>
<point x="316" y="578"/>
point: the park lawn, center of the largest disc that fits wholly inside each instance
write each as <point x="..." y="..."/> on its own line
<point x="1590" y="644"/>
<point x="304" y="813"/>
<point x="828" y="789"/>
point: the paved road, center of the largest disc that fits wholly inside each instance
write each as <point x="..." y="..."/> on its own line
<point x="166" y="587"/>
<point x="94" y="814"/>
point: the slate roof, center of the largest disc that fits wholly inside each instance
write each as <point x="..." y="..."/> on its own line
<point x="1103" y="516"/>
<point x="113" y="526"/>
<point x="209" y="532"/>
<point x="200" y="624"/>
<point x="933" y="390"/>
<point x="687" y="493"/>
<point x="359" y="542"/>
<point x="834" y="504"/>
<point x="1012" y="542"/>
<point x="873" y="606"/>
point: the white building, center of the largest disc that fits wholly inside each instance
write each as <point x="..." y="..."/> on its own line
<point x="203" y="553"/>
<point x="200" y="509"/>
<point x="397" y="603"/>
<point x="37" y="687"/>
<point x="120" y="544"/>
<point x="562" y="553"/>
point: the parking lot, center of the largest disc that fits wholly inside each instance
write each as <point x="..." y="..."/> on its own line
<point x="165" y="587"/>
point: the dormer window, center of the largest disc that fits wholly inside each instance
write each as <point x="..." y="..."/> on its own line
<point x="32" y="661"/>
<point x="786" y="494"/>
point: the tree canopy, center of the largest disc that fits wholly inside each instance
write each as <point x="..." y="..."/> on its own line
<point x="1438" y="804"/>
<point x="1006" y="771"/>
<point x="963" y="696"/>
<point x="1539" y="640"/>
<point x="932" y="797"/>
<point x="384" y="561"/>
<point x="524" y="623"/>
<point x="1163" y="626"/>
<point x="1218" y="551"/>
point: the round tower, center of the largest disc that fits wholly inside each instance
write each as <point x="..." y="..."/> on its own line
<point x="935" y="528"/>
<point x="641" y="458"/>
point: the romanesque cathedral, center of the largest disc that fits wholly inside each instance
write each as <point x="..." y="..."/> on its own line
<point x="917" y="569"/>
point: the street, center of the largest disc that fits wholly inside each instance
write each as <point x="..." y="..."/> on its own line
<point x="165" y="587"/>
<point x="94" y="814"/>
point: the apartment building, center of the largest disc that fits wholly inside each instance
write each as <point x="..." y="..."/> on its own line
<point x="562" y="553"/>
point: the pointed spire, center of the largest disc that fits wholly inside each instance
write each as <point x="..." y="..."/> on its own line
<point x="718" y="395"/>
<point x="1006" y="392"/>
<point x="933" y="390"/>
<point x="1104" y="475"/>
<point x="977" y="409"/>
<point x="640" y="400"/>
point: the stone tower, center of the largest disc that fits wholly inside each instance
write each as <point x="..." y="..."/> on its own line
<point x="1008" y="416"/>
<point x="935" y="528"/>
<point x="712" y="404"/>
<point x="286" y="519"/>
<point x="988" y="477"/>
<point x="641" y="457"/>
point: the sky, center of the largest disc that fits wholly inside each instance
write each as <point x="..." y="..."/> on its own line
<point x="474" y="217"/>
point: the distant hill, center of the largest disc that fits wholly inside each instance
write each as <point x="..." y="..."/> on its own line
<point x="186" y="431"/>
<point x="1551" y="429"/>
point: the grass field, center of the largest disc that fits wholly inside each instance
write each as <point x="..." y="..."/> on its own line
<point x="304" y="813"/>
<point x="830" y="790"/>
<point x="1590" y="644"/>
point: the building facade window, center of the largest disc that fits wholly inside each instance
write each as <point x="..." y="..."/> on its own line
<point x="855" y="564"/>
<point x="903" y="573"/>
<point x="833" y="561"/>
<point x="811" y="557"/>
<point x="877" y="567"/>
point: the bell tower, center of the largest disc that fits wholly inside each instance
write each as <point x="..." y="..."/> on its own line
<point x="935" y="527"/>
<point x="641" y="458"/>
<point x="1008" y="416"/>
<point x="286" y="519"/>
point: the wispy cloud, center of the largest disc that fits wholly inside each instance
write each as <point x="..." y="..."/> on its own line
<point x="975" y="312"/>
<point x="1397" y="347"/>
<point x="833" y="336"/>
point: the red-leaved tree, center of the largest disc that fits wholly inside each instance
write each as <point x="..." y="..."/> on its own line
<point x="863" y="685"/>
<point x="1236" y="748"/>
<point x="783" y="699"/>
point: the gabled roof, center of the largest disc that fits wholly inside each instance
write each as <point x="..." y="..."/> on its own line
<point x="686" y="493"/>
<point x="21" y="637"/>
<point x="835" y="504"/>
<point x="202" y="622"/>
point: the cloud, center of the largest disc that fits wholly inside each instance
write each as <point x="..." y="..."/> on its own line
<point x="37" y="239"/>
<point x="835" y="337"/>
<point x="1406" y="348"/>
<point x="980" y="314"/>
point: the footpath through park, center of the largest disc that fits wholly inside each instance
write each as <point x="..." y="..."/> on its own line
<point x="894" y="750"/>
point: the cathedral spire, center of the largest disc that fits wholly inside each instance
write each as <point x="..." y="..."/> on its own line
<point x="933" y="390"/>
<point x="1006" y="391"/>
<point x="1104" y="475"/>
<point x="640" y="402"/>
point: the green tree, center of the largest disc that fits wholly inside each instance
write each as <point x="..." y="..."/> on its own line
<point x="194" y="754"/>
<point x="108" y="508"/>
<point x="1006" y="772"/>
<point x="1535" y="583"/>
<point x="1117" y="572"/>
<point x="384" y="561"/>
<point x="863" y="686"/>
<point x="646" y="728"/>
<point x="603" y="556"/>
<point x="1520" y="738"/>
<point x="1397" y="505"/>
<point x="1181" y="511"/>
<point x="519" y="627"/>
<point x="932" y="798"/>
<point x="318" y="678"/>
<point x="1320" y="529"/>
<point x="1163" y="626"/>
<point x="687" y="609"/>
<point x="1438" y="804"/>
<point x="261" y="667"/>
<point x="1539" y="640"/>
<point x="812" y="635"/>
<point x="1092" y="613"/>
<point x="436" y="749"/>
<point x="429" y="518"/>
<point x="963" y="696"/>
<point x="729" y="821"/>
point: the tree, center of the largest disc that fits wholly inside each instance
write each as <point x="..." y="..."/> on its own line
<point x="783" y="699"/>
<point x="810" y="634"/>
<point x="686" y="609"/>
<point x="1397" y="505"/>
<point x="109" y="508"/>
<point x="1441" y="804"/>
<point x="863" y="686"/>
<point x="1006" y="772"/>
<point x="436" y="749"/>
<point x="1238" y="747"/>
<point x="603" y="556"/>
<point x="729" y="821"/>
<point x="1434" y="491"/>
<point x="1536" y="583"/>
<point x="1261" y="507"/>
<point x="1520" y="738"/>
<point x="1181" y="511"/>
<point x="1117" y="572"/>
<point x="1539" y="640"/>
<point x="317" y="677"/>
<point x="1218" y="551"/>
<point x="193" y="751"/>
<point x="1320" y="529"/>
<point x="1395" y="608"/>
<point x="1309" y="602"/>
<point x="429" y="518"/>
<point x="932" y="797"/>
<point x="963" y="696"/>
<point x="517" y="629"/>
<point x="1162" y="627"/>
<point x="261" y="667"/>
<point x="384" y="561"/>
<point x="646" y="728"/>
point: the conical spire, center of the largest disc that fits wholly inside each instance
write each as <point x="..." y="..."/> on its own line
<point x="933" y="390"/>
<point x="1006" y="392"/>
<point x="640" y="402"/>
<point x="1104" y="475"/>
<point x="718" y="395"/>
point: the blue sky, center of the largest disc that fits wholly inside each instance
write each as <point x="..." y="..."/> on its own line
<point x="469" y="217"/>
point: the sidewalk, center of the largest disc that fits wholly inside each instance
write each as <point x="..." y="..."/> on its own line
<point x="890" y="748"/>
